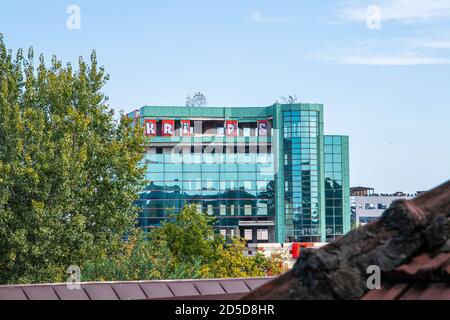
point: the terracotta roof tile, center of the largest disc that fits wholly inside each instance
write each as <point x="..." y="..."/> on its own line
<point x="192" y="289"/>
<point x="424" y="263"/>
<point x="45" y="292"/>
<point x="424" y="291"/>
<point x="156" y="290"/>
<point x="12" y="293"/>
<point x="129" y="291"/>
<point x="234" y="286"/>
<point x="423" y="268"/>
<point x="64" y="293"/>
<point x="185" y="288"/>
<point x="255" y="283"/>
<point x="387" y="292"/>
<point x="423" y="278"/>
<point x="100" y="291"/>
<point x="209" y="287"/>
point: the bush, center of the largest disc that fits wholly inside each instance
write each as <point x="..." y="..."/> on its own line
<point x="185" y="247"/>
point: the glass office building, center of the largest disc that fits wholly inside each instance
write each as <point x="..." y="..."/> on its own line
<point x="337" y="189"/>
<point x="260" y="170"/>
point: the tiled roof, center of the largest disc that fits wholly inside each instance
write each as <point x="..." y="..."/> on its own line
<point x="425" y="277"/>
<point x="213" y="289"/>
<point x="410" y="245"/>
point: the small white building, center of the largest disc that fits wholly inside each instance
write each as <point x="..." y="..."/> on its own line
<point x="369" y="206"/>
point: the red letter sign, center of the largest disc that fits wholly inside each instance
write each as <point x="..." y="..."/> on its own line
<point x="231" y="128"/>
<point x="150" y="127"/>
<point x="168" y="127"/>
<point x="185" y="129"/>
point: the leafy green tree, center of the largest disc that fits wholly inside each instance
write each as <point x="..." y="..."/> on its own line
<point x="68" y="171"/>
<point x="183" y="247"/>
<point x="140" y="259"/>
<point x="229" y="261"/>
<point x="189" y="235"/>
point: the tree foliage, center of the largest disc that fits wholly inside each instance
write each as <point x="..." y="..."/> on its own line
<point x="140" y="259"/>
<point x="68" y="171"/>
<point x="197" y="100"/>
<point x="189" y="235"/>
<point x="183" y="247"/>
<point x="290" y="99"/>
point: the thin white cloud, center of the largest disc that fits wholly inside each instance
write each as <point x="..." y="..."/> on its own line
<point x="391" y="60"/>
<point x="402" y="10"/>
<point x="408" y="53"/>
<point x="257" y="17"/>
<point x="432" y="44"/>
<point x="389" y="52"/>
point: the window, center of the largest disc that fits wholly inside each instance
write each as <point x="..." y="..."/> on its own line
<point x="382" y="206"/>
<point x="364" y="220"/>
<point x="199" y="208"/>
<point x="248" y="234"/>
<point x="337" y="140"/>
<point x="337" y="149"/>
<point x="232" y="209"/>
<point x="232" y="232"/>
<point x="223" y="232"/>
<point x="262" y="209"/>
<point x="261" y="185"/>
<point x="262" y="234"/>
<point x="223" y="209"/>
<point x="210" y="209"/>
<point x="370" y="206"/>
<point x="248" y="209"/>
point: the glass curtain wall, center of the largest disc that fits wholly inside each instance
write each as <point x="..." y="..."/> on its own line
<point x="229" y="186"/>
<point x="301" y="172"/>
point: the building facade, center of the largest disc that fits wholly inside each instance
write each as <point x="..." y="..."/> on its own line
<point x="337" y="189"/>
<point x="370" y="206"/>
<point x="269" y="174"/>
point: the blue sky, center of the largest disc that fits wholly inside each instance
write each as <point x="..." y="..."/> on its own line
<point x="388" y="88"/>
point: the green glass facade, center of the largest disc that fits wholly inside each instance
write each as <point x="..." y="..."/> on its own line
<point x="337" y="190"/>
<point x="266" y="186"/>
<point x="301" y="148"/>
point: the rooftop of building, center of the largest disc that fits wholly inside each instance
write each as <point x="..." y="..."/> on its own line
<point x="370" y="192"/>
<point x="195" y="289"/>
<point x="223" y="111"/>
<point x="397" y="194"/>
<point x="359" y="188"/>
